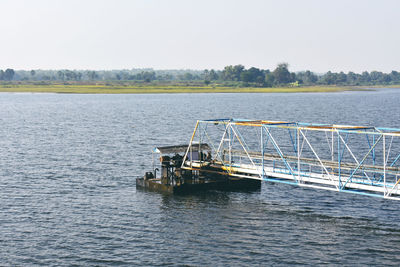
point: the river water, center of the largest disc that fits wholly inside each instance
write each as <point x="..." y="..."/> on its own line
<point x="68" y="194"/>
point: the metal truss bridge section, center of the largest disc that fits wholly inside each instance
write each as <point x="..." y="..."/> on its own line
<point x="355" y="159"/>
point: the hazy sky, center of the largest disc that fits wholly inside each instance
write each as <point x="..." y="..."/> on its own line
<point x="320" y="35"/>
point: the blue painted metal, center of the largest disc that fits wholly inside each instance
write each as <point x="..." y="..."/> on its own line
<point x="369" y="145"/>
<point x="391" y="165"/>
<point x="362" y="161"/>
<point x="303" y="124"/>
<point x="388" y="129"/>
<point x="293" y="142"/>
<point x="345" y="141"/>
<point x="362" y="193"/>
<point x="280" y="181"/>
<point x="281" y="155"/>
<point x="339" y="162"/>
<point x="394" y="162"/>
<point x="262" y="153"/>
<point x="373" y="150"/>
<point x="226" y="119"/>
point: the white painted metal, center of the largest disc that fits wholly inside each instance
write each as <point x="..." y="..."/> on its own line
<point x="359" y="177"/>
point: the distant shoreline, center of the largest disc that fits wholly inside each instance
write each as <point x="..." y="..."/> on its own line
<point x="171" y="89"/>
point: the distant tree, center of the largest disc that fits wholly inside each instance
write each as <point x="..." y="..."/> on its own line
<point x="311" y="77"/>
<point x="341" y="78"/>
<point x="282" y="74"/>
<point x="365" y="78"/>
<point x="329" y="78"/>
<point x="213" y="75"/>
<point x="293" y="77"/>
<point x="167" y="77"/>
<point x="124" y="75"/>
<point x="269" y="79"/>
<point x="9" y="74"/>
<point x="78" y="76"/>
<point x="387" y="78"/>
<point x="307" y="77"/>
<point x="186" y="77"/>
<point x="149" y="76"/>
<point x="253" y="75"/>
<point x="232" y="73"/>
<point x="395" y="76"/>
<point x="377" y="77"/>
<point x="210" y="75"/>
<point x="352" y="78"/>
<point x="146" y="76"/>
<point x="69" y="75"/>
<point x="92" y="75"/>
<point x="246" y="76"/>
<point x="60" y="75"/>
<point x="205" y="74"/>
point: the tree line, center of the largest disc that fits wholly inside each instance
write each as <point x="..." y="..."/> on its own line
<point x="233" y="75"/>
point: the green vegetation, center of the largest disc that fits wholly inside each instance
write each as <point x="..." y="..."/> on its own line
<point x="231" y="79"/>
<point x="118" y="88"/>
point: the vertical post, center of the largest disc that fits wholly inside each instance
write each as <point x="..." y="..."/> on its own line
<point x="190" y="146"/>
<point x="152" y="164"/>
<point x="339" y="160"/>
<point x="384" y="166"/>
<point x="191" y="156"/>
<point x="199" y="151"/>
<point x="230" y="146"/>
<point x="373" y="151"/>
<point x="333" y="153"/>
<point x="221" y="145"/>
<point x="262" y="151"/>
<point x="333" y="157"/>
<point x="298" y="154"/>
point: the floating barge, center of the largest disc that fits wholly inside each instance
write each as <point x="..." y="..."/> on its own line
<point x="176" y="178"/>
<point x="239" y="153"/>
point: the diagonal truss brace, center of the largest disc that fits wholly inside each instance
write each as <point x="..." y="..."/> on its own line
<point x="277" y="148"/>
<point x="362" y="161"/>
<point x="244" y="148"/>
<point x="354" y="157"/>
<point x="316" y="155"/>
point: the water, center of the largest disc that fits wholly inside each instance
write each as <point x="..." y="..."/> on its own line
<point x="68" y="196"/>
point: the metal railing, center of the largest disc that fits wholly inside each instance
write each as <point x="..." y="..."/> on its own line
<point x="345" y="158"/>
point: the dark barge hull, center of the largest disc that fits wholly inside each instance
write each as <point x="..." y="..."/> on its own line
<point x="225" y="184"/>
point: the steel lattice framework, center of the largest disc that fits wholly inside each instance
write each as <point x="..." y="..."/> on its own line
<point x="356" y="159"/>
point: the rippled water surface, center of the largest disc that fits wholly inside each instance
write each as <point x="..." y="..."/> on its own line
<point x="68" y="195"/>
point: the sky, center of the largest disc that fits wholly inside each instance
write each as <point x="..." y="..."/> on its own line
<point x="316" y="35"/>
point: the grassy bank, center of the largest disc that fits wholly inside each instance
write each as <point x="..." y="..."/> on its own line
<point x="157" y="89"/>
